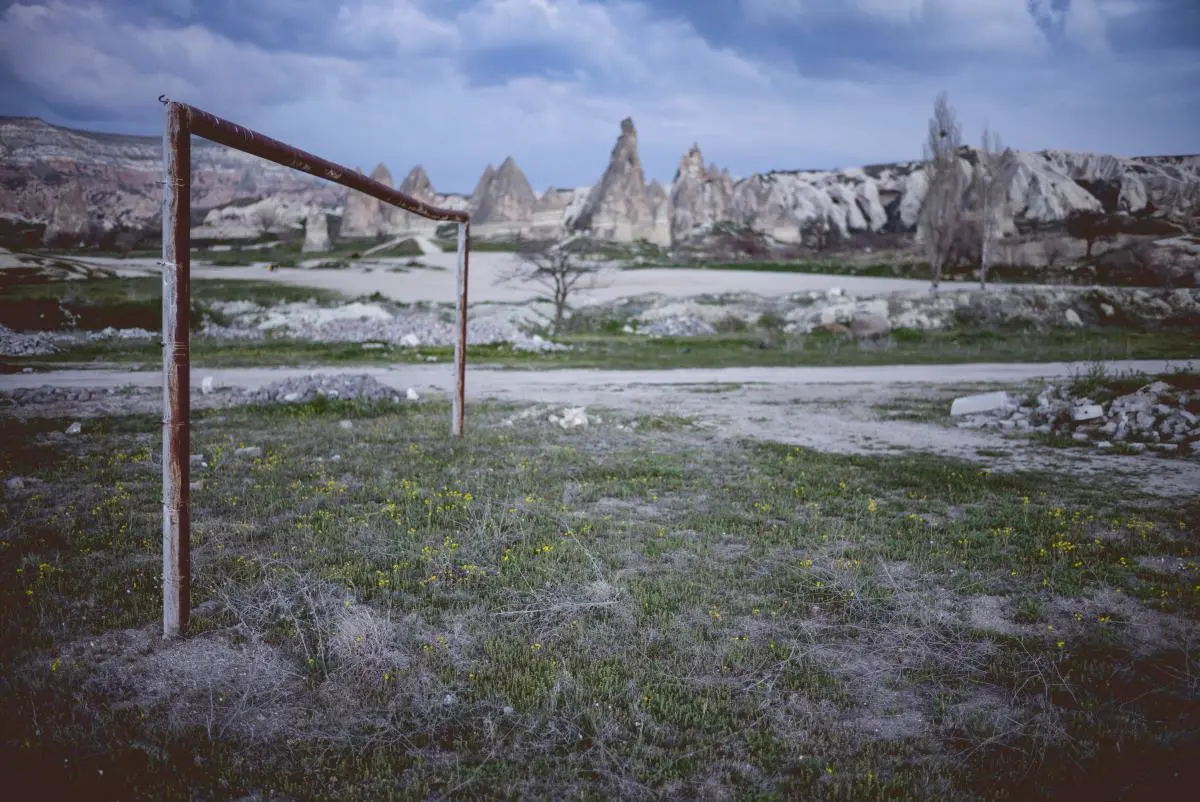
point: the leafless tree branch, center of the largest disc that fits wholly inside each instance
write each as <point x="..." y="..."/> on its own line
<point x="941" y="209"/>
<point x="557" y="269"/>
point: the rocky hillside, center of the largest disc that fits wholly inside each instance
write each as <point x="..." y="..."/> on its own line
<point x="69" y="179"/>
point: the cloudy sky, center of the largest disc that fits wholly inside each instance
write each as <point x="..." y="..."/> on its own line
<point x="759" y="84"/>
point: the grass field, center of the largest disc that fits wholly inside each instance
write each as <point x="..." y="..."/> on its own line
<point x="636" y="352"/>
<point x="384" y="612"/>
<point x="94" y="304"/>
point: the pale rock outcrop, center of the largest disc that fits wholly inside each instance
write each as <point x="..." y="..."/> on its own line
<point x="660" y="215"/>
<point x="416" y="185"/>
<point x="506" y="203"/>
<point x="275" y="214"/>
<point x="366" y="216"/>
<point x="489" y="173"/>
<point x="549" y="211"/>
<point x="617" y="208"/>
<point x="70" y="219"/>
<point x="1040" y="193"/>
<point x="68" y="179"/>
<point x="316" y="233"/>
<point x="700" y="196"/>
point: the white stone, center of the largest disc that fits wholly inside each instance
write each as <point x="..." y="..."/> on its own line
<point x="346" y="424"/>
<point x="75" y="428"/>
<point x="573" y="418"/>
<point x="1085" y="412"/>
<point x="254" y="452"/>
<point x="410" y="340"/>
<point x="1073" y="318"/>
<point x="206" y="385"/>
<point x="412" y="395"/>
<point x="983" y="402"/>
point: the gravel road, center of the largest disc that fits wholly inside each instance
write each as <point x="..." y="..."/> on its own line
<point x="829" y="409"/>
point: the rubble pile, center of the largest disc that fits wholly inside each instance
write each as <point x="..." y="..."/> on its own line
<point x="1157" y="417"/>
<point x="304" y="389"/>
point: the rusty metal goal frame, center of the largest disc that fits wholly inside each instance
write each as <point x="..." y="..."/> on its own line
<point x="183" y="122"/>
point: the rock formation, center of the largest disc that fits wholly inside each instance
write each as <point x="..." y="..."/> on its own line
<point x="481" y="186"/>
<point x="416" y="185"/>
<point x="366" y="216"/>
<point x="618" y="208"/>
<point x="505" y="205"/>
<point x="119" y="175"/>
<point x="700" y="197"/>
<point x="70" y="221"/>
<point x="316" y="233"/>
<point x="64" y="179"/>
<point x="660" y="215"/>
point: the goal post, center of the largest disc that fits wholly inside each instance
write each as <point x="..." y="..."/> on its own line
<point x="182" y="123"/>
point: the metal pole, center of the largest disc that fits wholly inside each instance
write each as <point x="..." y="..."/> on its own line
<point x="460" y="348"/>
<point x="177" y="157"/>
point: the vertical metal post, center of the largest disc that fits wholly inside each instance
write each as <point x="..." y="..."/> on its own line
<point x="177" y="168"/>
<point x="460" y="348"/>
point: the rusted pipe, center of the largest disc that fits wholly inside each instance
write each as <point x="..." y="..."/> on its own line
<point x="176" y="221"/>
<point x="460" y="347"/>
<point x="235" y="136"/>
<point x="184" y="121"/>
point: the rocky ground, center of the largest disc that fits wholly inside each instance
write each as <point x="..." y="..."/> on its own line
<point x="1158" y="416"/>
<point x="48" y="400"/>
<point x="833" y="311"/>
<point x="826" y="409"/>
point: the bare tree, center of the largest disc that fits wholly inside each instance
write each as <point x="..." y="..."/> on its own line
<point x="1092" y="227"/>
<point x="941" y="210"/>
<point x="991" y="179"/>
<point x="265" y="218"/>
<point x="557" y="269"/>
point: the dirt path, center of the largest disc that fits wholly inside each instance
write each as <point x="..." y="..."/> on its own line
<point x="829" y="409"/>
<point x="438" y="285"/>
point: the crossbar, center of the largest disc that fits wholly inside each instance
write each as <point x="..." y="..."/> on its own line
<point x="183" y="122"/>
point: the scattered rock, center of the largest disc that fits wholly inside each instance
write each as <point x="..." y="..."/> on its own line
<point x="1155" y="416"/>
<point x="412" y="395"/>
<point x="75" y="428"/>
<point x="983" y="402"/>
<point x="571" y="418"/>
<point x="346" y="424"/>
<point x="207" y="385"/>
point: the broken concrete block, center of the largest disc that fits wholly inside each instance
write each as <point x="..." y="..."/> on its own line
<point x="207" y="385"/>
<point x="983" y="402"/>
<point x="1087" y="412"/>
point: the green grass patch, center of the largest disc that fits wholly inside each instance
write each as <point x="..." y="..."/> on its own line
<point x="385" y="611"/>
<point x="94" y="304"/>
<point x="631" y="352"/>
